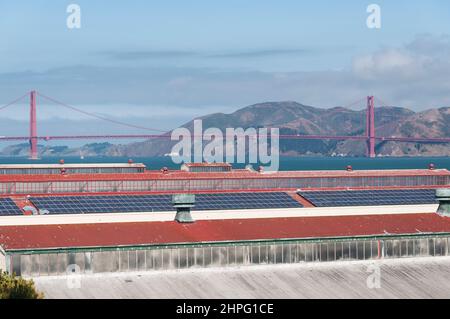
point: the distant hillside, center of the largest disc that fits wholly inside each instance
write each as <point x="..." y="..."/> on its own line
<point x="294" y="118"/>
<point x="93" y="149"/>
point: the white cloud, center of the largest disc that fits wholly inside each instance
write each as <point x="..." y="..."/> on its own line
<point x="415" y="75"/>
<point x="384" y="62"/>
<point x="425" y="58"/>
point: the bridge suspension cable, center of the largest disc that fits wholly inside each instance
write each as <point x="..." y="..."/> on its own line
<point x="99" y="116"/>
<point x="381" y="101"/>
<point x="361" y="100"/>
<point x="13" y="102"/>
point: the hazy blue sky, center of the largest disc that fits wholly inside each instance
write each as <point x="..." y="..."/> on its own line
<point x="162" y="62"/>
<point x="288" y="35"/>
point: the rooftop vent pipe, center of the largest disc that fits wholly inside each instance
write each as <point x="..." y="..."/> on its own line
<point x="183" y="204"/>
<point x="443" y="196"/>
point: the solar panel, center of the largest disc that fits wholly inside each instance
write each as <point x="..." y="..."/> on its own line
<point x="370" y="197"/>
<point x="158" y="203"/>
<point x="9" y="208"/>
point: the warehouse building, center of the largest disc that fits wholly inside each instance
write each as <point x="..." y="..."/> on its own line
<point x="238" y="218"/>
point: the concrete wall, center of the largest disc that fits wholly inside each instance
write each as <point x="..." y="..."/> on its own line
<point x="150" y="259"/>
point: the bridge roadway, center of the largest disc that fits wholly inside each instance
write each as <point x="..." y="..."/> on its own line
<point x="281" y="136"/>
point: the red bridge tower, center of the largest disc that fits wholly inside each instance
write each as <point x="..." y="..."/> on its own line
<point x="33" y="127"/>
<point x="370" y="127"/>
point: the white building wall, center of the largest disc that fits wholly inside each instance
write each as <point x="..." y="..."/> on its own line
<point x="2" y="260"/>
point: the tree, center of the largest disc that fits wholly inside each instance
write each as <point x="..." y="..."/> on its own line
<point x="15" y="287"/>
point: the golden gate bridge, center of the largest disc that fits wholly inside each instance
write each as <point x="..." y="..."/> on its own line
<point x="370" y="137"/>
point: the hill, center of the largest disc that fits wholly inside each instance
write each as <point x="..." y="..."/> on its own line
<point x="294" y="118"/>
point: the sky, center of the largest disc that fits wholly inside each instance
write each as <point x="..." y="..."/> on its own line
<point x="161" y="63"/>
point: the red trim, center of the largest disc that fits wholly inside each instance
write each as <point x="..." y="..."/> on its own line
<point x="301" y="200"/>
<point x="234" y="174"/>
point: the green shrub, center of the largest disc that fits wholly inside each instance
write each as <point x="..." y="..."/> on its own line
<point x="14" y="287"/>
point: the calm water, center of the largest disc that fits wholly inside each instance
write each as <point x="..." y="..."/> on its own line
<point x="286" y="163"/>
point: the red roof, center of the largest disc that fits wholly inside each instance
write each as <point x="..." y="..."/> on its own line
<point x="146" y="233"/>
<point x="178" y="174"/>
